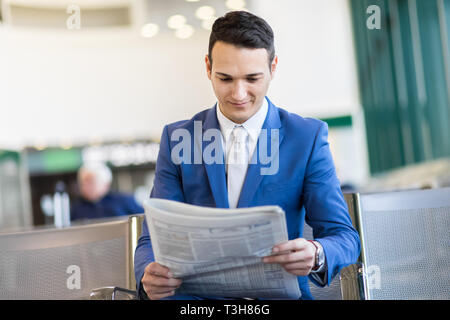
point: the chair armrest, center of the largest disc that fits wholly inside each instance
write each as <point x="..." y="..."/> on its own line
<point x="112" y="293"/>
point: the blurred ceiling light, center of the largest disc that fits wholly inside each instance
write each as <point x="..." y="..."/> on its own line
<point x="207" y="24"/>
<point x="127" y="138"/>
<point x="235" y="4"/>
<point x="205" y="12"/>
<point x="176" y="21"/>
<point x="95" y="140"/>
<point x="40" y="145"/>
<point x="66" y="145"/>
<point x="184" y="32"/>
<point x="149" y="30"/>
<point x="192" y="0"/>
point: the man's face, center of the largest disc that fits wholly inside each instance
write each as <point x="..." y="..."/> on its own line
<point x="240" y="78"/>
<point x="91" y="188"/>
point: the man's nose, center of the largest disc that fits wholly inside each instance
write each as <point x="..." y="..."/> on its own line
<point x="239" y="91"/>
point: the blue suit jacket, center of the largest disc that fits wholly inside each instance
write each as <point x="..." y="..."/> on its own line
<point x="305" y="186"/>
<point x="111" y="205"/>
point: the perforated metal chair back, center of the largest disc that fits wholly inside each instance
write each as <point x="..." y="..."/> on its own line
<point x="65" y="263"/>
<point x="405" y="244"/>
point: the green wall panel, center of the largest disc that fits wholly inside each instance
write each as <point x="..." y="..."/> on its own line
<point x="403" y="78"/>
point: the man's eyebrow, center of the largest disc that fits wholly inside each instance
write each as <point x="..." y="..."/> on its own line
<point x="248" y="75"/>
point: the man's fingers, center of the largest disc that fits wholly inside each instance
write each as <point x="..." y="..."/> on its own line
<point x="159" y="270"/>
<point x="158" y="282"/>
<point x="158" y="287"/>
<point x="157" y="296"/>
<point x="293" y="256"/>
<point x="164" y="282"/>
<point x="159" y="290"/>
<point x="296" y="244"/>
<point x="297" y="266"/>
<point x="150" y="281"/>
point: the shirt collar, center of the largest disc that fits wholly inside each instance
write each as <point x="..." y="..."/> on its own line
<point x="253" y="125"/>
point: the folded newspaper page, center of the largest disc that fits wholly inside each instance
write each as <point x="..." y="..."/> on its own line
<point x="217" y="252"/>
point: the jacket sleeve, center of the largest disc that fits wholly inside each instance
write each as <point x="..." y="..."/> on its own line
<point x="167" y="185"/>
<point x="326" y="209"/>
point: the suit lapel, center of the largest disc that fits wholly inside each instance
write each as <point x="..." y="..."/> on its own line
<point x="254" y="177"/>
<point x="215" y="171"/>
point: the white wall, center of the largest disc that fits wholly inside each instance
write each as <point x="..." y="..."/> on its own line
<point x="79" y="86"/>
<point x="82" y="86"/>
<point x="316" y="68"/>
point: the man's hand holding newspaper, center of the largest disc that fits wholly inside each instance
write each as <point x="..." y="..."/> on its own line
<point x="213" y="252"/>
<point x="158" y="281"/>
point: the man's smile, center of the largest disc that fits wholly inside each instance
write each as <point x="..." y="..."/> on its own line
<point x="240" y="104"/>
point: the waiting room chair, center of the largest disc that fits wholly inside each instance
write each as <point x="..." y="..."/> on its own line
<point x="68" y="263"/>
<point x="405" y="243"/>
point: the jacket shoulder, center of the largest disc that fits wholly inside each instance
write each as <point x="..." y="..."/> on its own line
<point x="294" y="122"/>
<point x="187" y="123"/>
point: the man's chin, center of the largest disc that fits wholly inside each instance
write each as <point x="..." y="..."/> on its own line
<point x="241" y="114"/>
<point x="239" y="118"/>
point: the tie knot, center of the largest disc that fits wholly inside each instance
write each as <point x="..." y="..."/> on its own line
<point x="240" y="134"/>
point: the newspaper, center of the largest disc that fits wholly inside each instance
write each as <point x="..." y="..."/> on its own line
<point x="217" y="252"/>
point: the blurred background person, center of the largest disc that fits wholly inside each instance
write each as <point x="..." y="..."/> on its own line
<point x="96" y="198"/>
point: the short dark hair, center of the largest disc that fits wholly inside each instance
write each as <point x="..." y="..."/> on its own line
<point x="242" y="29"/>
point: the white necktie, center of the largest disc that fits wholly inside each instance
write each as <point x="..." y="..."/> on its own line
<point x="237" y="164"/>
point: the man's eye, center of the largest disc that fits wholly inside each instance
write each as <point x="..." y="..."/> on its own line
<point x="225" y="79"/>
<point x="252" y="79"/>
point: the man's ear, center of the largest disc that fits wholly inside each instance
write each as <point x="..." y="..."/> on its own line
<point x="208" y="67"/>
<point x="273" y="66"/>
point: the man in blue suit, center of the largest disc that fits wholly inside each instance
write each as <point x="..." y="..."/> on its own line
<point x="298" y="175"/>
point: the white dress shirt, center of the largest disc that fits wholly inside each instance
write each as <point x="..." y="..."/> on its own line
<point x="253" y="126"/>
